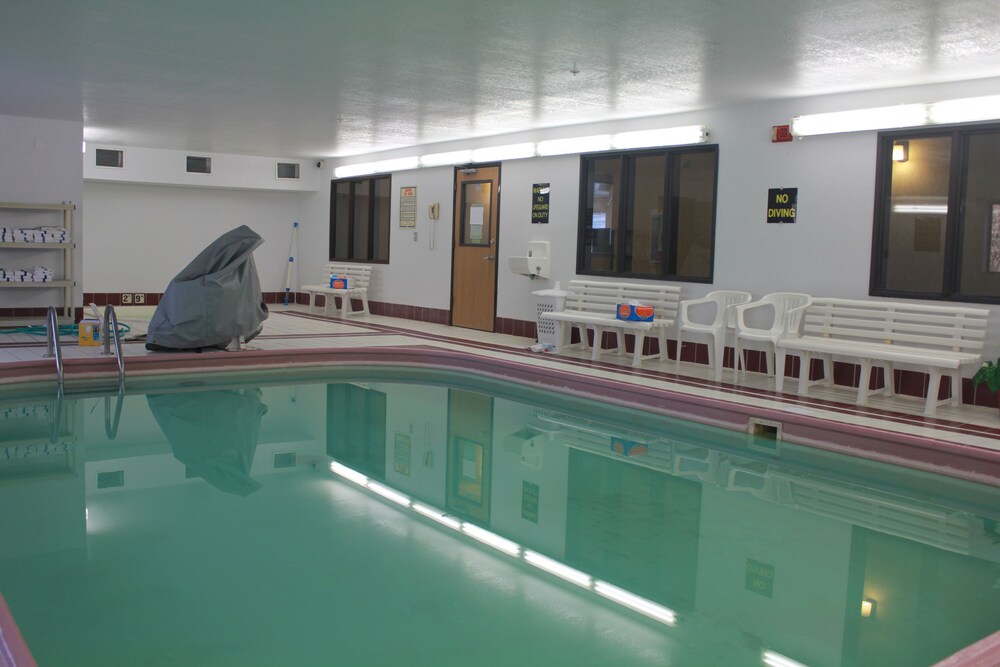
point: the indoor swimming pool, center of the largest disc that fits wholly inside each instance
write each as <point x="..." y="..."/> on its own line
<point x="376" y="516"/>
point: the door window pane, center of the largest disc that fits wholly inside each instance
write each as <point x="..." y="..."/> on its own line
<point x="918" y="215"/>
<point x="477" y="202"/>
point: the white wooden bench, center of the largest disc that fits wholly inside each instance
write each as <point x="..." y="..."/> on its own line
<point x="358" y="278"/>
<point x="939" y="340"/>
<point x="592" y="304"/>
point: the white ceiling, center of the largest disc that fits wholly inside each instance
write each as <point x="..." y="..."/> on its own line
<point x="324" y="78"/>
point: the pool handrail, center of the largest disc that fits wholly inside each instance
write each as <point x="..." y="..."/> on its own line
<point x="52" y="348"/>
<point x="110" y="325"/>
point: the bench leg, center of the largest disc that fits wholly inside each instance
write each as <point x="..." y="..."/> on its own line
<point x="598" y="335"/>
<point x="312" y="301"/>
<point x="864" y="381"/>
<point x="933" y="389"/>
<point x="661" y="340"/>
<point x="956" y="388"/>
<point x="640" y="340"/>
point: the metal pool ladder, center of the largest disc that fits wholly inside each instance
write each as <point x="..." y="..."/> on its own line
<point x="110" y="326"/>
<point x="52" y="343"/>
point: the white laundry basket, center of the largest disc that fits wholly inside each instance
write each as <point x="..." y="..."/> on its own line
<point x="548" y="301"/>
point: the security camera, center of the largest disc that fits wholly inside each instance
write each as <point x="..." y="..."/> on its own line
<point x="320" y="164"/>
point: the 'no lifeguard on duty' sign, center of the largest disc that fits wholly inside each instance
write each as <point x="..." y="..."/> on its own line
<point x="781" y="204"/>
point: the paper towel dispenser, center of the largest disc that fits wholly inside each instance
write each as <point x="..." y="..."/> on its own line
<point x="535" y="264"/>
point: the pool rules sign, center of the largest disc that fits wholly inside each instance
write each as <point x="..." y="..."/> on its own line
<point x="782" y="204"/>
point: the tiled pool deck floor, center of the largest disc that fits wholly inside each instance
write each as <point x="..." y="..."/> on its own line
<point x="297" y="331"/>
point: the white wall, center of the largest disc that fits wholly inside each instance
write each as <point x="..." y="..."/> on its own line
<point x="141" y="236"/>
<point x="40" y="163"/>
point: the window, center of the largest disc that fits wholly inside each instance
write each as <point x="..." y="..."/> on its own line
<point x="648" y="214"/>
<point x="937" y="214"/>
<point x="359" y="219"/>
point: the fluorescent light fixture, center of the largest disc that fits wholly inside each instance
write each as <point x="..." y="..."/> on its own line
<point x="389" y="494"/>
<point x="921" y="209"/>
<point x="84" y="146"/>
<point x="506" y="152"/>
<point x="558" y="569"/>
<point x="492" y="539"/>
<point x="772" y="659"/>
<point x="965" y="110"/>
<point x="591" y="144"/>
<point x="347" y="473"/>
<point x="382" y="166"/>
<point x="903" y="115"/>
<point x="435" y="515"/>
<point x="671" y="136"/>
<point x="636" y="603"/>
<point x="444" y="159"/>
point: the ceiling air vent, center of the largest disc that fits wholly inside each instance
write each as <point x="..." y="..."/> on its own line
<point x="199" y="165"/>
<point x="108" y="157"/>
<point x="288" y="170"/>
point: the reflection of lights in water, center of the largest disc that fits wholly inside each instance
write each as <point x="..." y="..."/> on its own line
<point x="772" y="659"/>
<point x="626" y="599"/>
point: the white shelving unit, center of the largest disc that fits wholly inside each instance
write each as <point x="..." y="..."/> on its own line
<point x="65" y="283"/>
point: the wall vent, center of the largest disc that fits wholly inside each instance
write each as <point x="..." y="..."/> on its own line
<point x="199" y="165"/>
<point x="109" y="157"/>
<point x="288" y="170"/>
<point x="284" y="460"/>
<point x="110" y="480"/>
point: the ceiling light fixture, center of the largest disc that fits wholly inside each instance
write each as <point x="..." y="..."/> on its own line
<point x="667" y="136"/>
<point x="445" y="159"/>
<point x="505" y="152"/>
<point x="591" y="144"/>
<point x="964" y="110"/>
<point x="904" y="115"/>
<point x="382" y="166"/>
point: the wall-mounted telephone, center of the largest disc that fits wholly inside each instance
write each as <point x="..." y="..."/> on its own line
<point x="434" y="211"/>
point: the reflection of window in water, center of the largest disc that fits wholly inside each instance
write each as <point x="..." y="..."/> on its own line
<point x="995" y="240"/>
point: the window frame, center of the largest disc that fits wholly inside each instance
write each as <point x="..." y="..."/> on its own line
<point x="957" y="188"/>
<point x="350" y="222"/>
<point x="625" y="208"/>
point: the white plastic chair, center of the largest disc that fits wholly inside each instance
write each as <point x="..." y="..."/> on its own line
<point x="780" y="303"/>
<point x="725" y="318"/>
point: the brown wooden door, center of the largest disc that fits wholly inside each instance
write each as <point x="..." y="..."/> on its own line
<point x="474" y="266"/>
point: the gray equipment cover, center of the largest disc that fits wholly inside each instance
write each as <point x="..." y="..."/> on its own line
<point x="214" y="299"/>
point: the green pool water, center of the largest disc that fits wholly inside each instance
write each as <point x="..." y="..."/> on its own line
<point x="375" y="517"/>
